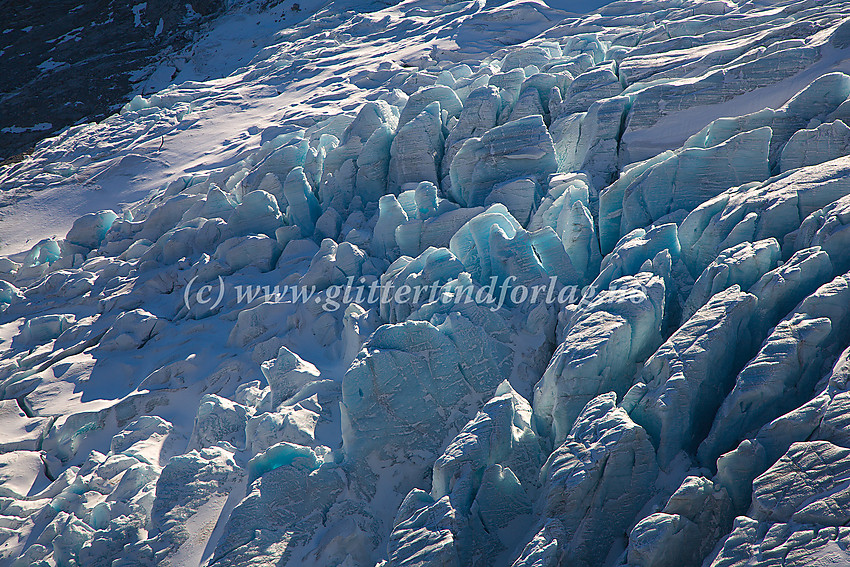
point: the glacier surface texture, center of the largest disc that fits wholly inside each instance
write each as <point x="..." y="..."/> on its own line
<point x="442" y="284"/>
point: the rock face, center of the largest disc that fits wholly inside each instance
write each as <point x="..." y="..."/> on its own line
<point x="95" y="58"/>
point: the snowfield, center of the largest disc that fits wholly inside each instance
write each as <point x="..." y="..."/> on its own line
<point x="675" y="174"/>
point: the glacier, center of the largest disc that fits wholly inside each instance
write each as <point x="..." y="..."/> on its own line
<point x="442" y="284"/>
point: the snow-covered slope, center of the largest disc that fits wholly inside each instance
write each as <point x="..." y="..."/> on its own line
<point x="443" y="284"/>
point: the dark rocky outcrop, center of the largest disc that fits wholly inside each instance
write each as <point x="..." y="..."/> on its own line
<point x="69" y="61"/>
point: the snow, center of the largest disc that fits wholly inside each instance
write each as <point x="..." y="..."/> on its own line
<point x="138" y="10"/>
<point x="35" y="128"/>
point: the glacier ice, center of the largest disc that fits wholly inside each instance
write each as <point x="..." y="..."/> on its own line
<point x="821" y="418"/>
<point x="371" y="117"/>
<point x="685" y="530"/>
<point x="187" y="486"/>
<point x="297" y="491"/>
<point x="565" y="210"/>
<point x="652" y="536"/>
<point x="685" y="384"/>
<point x="417" y="149"/>
<point x="22" y="473"/>
<point x="258" y="213"/>
<point x="666" y="98"/>
<point x="588" y="141"/>
<point x="89" y="230"/>
<point x="416" y="219"/>
<point x="814" y="146"/>
<point x="499" y="434"/>
<point x="588" y="87"/>
<point x="165" y="216"/>
<point x="655" y="250"/>
<point x="754" y="212"/>
<point x="23" y="433"/>
<point x="303" y="208"/>
<point x="743" y="264"/>
<point x="546" y="548"/>
<point x="782" y="288"/>
<point x="287" y="151"/>
<point x="219" y="419"/>
<point x="492" y="245"/>
<point x="786" y="368"/>
<point x="44" y="328"/>
<point x="296" y="425"/>
<point x="480" y="113"/>
<point x="409" y="374"/>
<point x="421" y="99"/>
<point x="509" y="83"/>
<point x="606" y="453"/>
<point x="825" y="229"/>
<point x="391" y="215"/>
<point x="521" y="58"/>
<point x="528" y="104"/>
<point x="752" y="543"/>
<point x="781" y="495"/>
<point x="258" y="251"/>
<point x="676" y="175"/>
<point x="652" y="190"/>
<point x="517" y="149"/>
<point x="132" y="329"/>
<point x="813" y="104"/>
<point x="479" y="492"/>
<point x="373" y="163"/>
<point x="433" y="267"/>
<point x="603" y="345"/>
<point x="219" y="205"/>
<point x="471" y="243"/>
<point x="47" y="251"/>
<point x="287" y="373"/>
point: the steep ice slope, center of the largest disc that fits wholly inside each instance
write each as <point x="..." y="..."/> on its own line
<point x="669" y="177"/>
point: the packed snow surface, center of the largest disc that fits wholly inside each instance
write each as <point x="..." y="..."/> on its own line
<point x="444" y="284"/>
